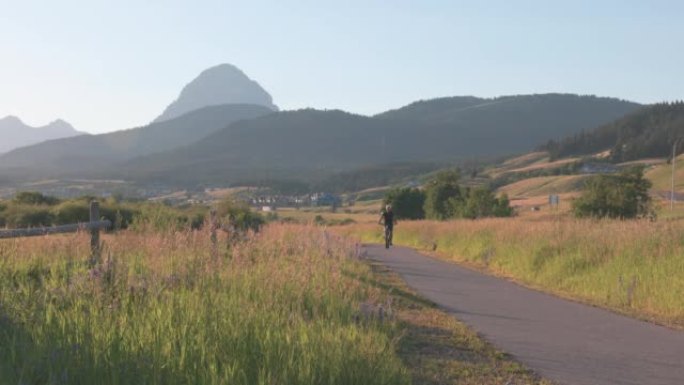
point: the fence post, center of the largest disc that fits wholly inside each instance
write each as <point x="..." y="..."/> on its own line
<point x="94" y="233"/>
<point x="214" y="240"/>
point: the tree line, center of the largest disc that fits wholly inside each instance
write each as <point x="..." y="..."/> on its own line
<point x="620" y="196"/>
<point x="444" y="198"/>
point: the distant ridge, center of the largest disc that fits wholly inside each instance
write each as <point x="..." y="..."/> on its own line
<point x="14" y="133"/>
<point x="222" y="84"/>
<point x="309" y="144"/>
<point x="239" y="143"/>
<point x="79" y="154"/>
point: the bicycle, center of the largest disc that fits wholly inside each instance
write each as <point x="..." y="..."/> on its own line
<point x="388" y="236"/>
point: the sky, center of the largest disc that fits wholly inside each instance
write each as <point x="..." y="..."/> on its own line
<point x="105" y="65"/>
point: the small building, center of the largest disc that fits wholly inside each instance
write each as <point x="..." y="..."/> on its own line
<point x="598" y="168"/>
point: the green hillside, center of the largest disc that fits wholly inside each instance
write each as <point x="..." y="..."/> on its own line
<point x="649" y="132"/>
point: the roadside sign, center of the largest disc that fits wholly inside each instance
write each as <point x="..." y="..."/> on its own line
<point x="554" y="200"/>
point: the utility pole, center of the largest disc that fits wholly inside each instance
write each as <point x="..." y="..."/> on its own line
<point x="674" y="160"/>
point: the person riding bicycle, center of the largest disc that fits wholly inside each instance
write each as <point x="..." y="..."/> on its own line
<point x="387" y="218"/>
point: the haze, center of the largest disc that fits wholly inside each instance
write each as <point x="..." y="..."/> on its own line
<point x="104" y="67"/>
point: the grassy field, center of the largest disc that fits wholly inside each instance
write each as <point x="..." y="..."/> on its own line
<point x="291" y="305"/>
<point x="544" y="186"/>
<point x="635" y="267"/>
<point x="353" y="214"/>
<point x="279" y="309"/>
<point x="661" y="176"/>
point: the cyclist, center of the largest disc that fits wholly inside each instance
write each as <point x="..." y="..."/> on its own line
<point x="387" y="218"/>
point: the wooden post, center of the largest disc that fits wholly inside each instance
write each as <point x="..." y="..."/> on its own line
<point x="214" y="239"/>
<point x="94" y="233"/>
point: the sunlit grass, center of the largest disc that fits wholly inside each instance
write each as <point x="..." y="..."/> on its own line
<point x="280" y="308"/>
<point x="632" y="266"/>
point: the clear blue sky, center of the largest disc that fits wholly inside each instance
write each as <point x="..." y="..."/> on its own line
<point x="107" y="65"/>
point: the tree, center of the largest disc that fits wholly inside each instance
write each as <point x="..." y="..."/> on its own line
<point x="615" y="196"/>
<point x="438" y="193"/>
<point x="407" y="203"/>
<point x="35" y="198"/>
<point x="480" y="203"/>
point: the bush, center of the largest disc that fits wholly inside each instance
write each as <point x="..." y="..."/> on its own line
<point x="446" y="199"/>
<point x="624" y="195"/>
<point x="407" y="203"/>
<point x="71" y="212"/>
<point x="438" y="193"/>
<point x="480" y="203"/>
<point x="34" y="198"/>
<point x="158" y="217"/>
<point x="154" y="216"/>
<point x="239" y="215"/>
<point x="22" y="215"/>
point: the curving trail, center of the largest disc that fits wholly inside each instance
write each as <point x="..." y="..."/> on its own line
<point x="563" y="341"/>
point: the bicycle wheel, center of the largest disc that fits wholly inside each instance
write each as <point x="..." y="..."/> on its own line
<point x="388" y="237"/>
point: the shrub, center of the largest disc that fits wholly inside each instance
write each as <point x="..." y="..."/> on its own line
<point x="157" y="217"/>
<point x="34" y="198"/>
<point x="22" y="215"/>
<point x="239" y="215"/>
<point x="438" y="193"/>
<point x="71" y="212"/>
<point x="624" y="195"/>
<point x="480" y="203"/>
<point x="407" y="203"/>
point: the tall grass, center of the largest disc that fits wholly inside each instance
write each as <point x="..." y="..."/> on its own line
<point x="632" y="266"/>
<point x="280" y="308"/>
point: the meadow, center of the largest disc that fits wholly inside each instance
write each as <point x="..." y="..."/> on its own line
<point x="292" y="304"/>
<point x="279" y="308"/>
<point x="635" y="267"/>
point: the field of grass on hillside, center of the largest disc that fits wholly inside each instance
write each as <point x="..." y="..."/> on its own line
<point x="661" y="176"/>
<point x="544" y="185"/>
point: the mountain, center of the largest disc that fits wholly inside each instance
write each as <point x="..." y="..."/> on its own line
<point x="220" y="145"/>
<point x="313" y="144"/>
<point x="222" y="84"/>
<point x="15" y="133"/>
<point x="90" y="152"/>
<point x="646" y="133"/>
<point x="516" y="123"/>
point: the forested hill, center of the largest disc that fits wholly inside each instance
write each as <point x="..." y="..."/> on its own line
<point x="649" y="132"/>
<point x="516" y="122"/>
<point x="233" y="143"/>
<point x="312" y="143"/>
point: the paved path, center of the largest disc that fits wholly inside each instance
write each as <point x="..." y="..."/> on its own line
<point x="561" y="340"/>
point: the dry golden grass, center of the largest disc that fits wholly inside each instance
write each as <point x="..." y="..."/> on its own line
<point x="291" y="305"/>
<point x="635" y="267"/>
<point x="526" y="159"/>
<point x="545" y="165"/>
<point x="661" y="176"/>
<point x="308" y="215"/>
<point x="544" y="185"/>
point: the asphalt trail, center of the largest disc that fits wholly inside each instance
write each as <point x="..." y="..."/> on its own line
<point x="563" y="341"/>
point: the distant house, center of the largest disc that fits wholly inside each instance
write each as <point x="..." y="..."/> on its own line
<point x="325" y="199"/>
<point x="598" y="168"/>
